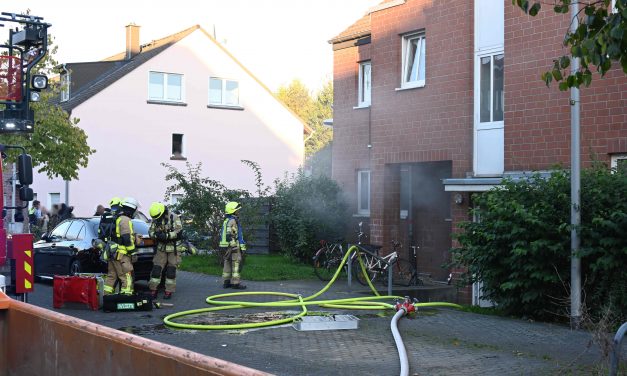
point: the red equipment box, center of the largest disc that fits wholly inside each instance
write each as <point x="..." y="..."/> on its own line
<point x="75" y="289"/>
<point x="20" y="249"/>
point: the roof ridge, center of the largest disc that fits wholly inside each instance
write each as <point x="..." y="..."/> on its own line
<point x="176" y="36"/>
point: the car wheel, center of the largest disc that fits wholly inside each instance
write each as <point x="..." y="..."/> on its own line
<point x="75" y="267"/>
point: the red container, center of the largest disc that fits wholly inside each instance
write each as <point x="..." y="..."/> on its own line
<point x="76" y="290"/>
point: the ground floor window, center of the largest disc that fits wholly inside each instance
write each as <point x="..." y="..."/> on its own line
<point x="363" y="192"/>
<point x="619" y="161"/>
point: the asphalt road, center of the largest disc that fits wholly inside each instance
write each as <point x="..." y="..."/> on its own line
<point x="439" y="342"/>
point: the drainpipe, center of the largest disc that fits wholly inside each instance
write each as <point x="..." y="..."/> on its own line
<point x="575" y="185"/>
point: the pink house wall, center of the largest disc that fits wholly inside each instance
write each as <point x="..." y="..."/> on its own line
<point x="133" y="137"/>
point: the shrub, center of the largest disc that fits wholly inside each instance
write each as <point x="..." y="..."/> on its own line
<point x="306" y="210"/>
<point x="520" y="248"/>
<point x="203" y="201"/>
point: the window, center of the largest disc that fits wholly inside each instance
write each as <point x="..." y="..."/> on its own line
<point x="75" y="229"/>
<point x="363" y="192"/>
<point x="166" y="87"/>
<point x="175" y="198"/>
<point x="177" y="146"/>
<point x="65" y="87"/>
<point x="491" y="95"/>
<point x="223" y="92"/>
<point x="59" y="231"/>
<point x="53" y="198"/>
<point x="365" y="84"/>
<point x="619" y="162"/>
<point x="413" y="69"/>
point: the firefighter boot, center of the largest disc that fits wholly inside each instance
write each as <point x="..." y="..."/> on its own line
<point x="167" y="295"/>
<point x="154" y="294"/>
<point x="227" y="284"/>
<point x="238" y="286"/>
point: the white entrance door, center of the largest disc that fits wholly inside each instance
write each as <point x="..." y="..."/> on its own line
<point x="489" y="110"/>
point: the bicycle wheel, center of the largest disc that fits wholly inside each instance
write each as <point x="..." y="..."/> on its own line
<point x="403" y="273"/>
<point x="326" y="263"/>
<point x="358" y="274"/>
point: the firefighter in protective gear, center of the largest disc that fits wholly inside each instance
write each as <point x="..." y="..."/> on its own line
<point x="167" y="230"/>
<point x="232" y="239"/>
<point x="106" y="231"/>
<point x="120" y="267"/>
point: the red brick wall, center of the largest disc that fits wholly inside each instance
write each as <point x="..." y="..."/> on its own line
<point x="537" y="118"/>
<point x="425" y="124"/>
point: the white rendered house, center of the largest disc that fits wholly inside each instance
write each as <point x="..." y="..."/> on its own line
<point x="183" y="98"/>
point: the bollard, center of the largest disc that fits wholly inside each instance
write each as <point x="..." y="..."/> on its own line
<point x="349" y="263"/>
<point x="390" y="279"/>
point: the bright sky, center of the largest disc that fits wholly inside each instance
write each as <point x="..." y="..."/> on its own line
<point x="278" y="40"/>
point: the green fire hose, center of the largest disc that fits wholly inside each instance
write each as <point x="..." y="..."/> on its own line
<point x="366" y="303"/>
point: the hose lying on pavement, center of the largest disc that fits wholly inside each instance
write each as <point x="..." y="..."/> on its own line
<point x="400" y="346"/>
<point x="367" y="303"/>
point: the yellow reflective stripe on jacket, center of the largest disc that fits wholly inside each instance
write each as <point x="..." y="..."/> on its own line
<point x="223" y="242"/>
<point x="122" y="248"/>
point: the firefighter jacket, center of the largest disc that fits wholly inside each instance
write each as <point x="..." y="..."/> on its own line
<point x="172" y="227"/>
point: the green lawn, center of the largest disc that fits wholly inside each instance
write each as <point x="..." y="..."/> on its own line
<point x="256" y="268"/>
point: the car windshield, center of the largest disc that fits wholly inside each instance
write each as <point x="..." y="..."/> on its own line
<point x="60" y="230"/>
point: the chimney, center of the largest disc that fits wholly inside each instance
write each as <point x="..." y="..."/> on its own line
<point x="132" y="41"/>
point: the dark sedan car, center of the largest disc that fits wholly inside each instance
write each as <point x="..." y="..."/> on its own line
<point x="67" y="250"/>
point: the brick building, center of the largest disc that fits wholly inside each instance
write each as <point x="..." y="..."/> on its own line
<point x="437" y="99"/>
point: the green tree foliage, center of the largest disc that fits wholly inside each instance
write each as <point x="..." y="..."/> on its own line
<point x="520" y="247"/>
<point x="58" y="145"/>
<point x="599" y="41"/>
<point x="306" y="210"/>
<point x="312" y="109"/>
<point x="204" y="199"/>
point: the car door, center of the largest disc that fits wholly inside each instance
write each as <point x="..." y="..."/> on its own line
<point x="45" y="253"/>
<point x="65" y="250"/>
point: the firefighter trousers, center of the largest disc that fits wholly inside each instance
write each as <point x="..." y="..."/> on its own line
<point x="232" y="260"/>
<point x="164" y="262"/>
<point x="120" y="269"/>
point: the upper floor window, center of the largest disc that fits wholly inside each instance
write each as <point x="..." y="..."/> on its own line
<point x="363" y="192"/>
<point x="167" y="87"/>
<point x="365" y="84"/>
<point x="413" y="69"/>
<point x="65" y="86"/>
<point x="223" y="92"/>
<point x="491" y="95"/>
<point x="178" y="146"/>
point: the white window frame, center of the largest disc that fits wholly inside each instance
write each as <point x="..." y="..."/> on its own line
<point x="361" y="210"/>
<point x="165" y="87"/>
<point x="173" y="195"/>
<point x="50" y="203"/>
<point x="183" y="142"/>
<point x="404" y="59"/>
<point x="362" y="101"/>
<point x="223" y="91"/>
<point x="65" y="86"/>
<point x="615" y="158"/>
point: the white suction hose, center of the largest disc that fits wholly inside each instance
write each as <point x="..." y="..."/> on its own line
<point x="400" y="346"/>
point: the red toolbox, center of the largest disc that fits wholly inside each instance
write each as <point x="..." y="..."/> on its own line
<point x="75" y="289"/>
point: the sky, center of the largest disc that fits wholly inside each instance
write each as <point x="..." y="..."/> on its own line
<point x="278" y="40"/>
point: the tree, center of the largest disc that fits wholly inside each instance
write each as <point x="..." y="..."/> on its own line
<point x="311" y="110"/>
<point x="599" y="41"/>
<point x="58" y="146"/>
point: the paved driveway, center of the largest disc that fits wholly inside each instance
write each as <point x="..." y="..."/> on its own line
<point x="439" y="342"/>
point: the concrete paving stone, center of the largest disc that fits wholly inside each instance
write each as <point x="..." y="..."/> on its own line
<point x="439" y="342"/>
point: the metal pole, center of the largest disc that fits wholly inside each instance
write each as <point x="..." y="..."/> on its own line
<point x="67" y="192"/>
<point x="575" y="184"/>
<point x="390" y="278"/>
<point x="349" y="269"/>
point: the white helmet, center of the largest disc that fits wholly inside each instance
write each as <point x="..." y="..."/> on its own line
<point x="130" y="202"/>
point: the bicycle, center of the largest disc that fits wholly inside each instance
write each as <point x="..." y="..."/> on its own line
<point x="403" y="272"/>
<point x="327" y="259"/>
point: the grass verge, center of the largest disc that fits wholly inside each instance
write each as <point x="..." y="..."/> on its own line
<point x="256" y="268"/>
